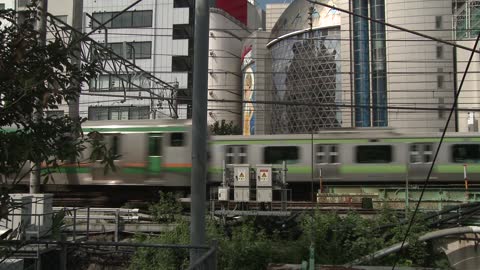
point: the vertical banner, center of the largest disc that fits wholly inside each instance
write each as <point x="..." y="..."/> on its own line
<point x="248" y="84"/>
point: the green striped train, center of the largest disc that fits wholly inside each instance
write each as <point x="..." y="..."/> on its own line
<point x="158" y="153"/>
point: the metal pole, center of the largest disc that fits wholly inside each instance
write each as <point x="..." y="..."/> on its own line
<point x="199" y="128"/>
<point x="41" y="27"/>
<point x="75" y="224"/>
<point x="284" y="186"/>
<point x="88" y="222"/>
<point x="77" y="23"/>
<point x="407" y="205"/>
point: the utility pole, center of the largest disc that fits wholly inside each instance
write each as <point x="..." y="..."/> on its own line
<point x="199" y="132"/>
<point x="77" y="24"/>
<point x="41" y="28"/>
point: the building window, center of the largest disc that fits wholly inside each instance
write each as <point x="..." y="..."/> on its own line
<point x="62" y="18"/>
<point x="120" y="82"/>
<point x="2" y="6"/>
<point x="441" y="107"/>
<point x="278" y="154"/>
<point x="374" y="154"/>
<point x="129" y="19"/>
<point x="182" y="3"/>
<point x="181" y="31"/>
<point x="462" y="153"/>
<point x="440" y="79"/>
<point x="181" y="63"/>
<point x="118" y="113"/>
<point x="141" y="50"/>
<point x="439" y="51"/>
<point x="438" y="22"/>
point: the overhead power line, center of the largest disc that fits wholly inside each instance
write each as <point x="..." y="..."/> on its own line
<point x="393" y="26"/>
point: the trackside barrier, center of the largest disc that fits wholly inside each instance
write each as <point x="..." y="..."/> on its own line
<point x="100" y="253"/>
<point x="207" y="261"/>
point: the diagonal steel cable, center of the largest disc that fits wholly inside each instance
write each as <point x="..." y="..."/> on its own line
<point x="427" y="180"/>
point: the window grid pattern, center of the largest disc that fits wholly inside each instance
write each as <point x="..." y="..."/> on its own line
<point x="141" y="50"/>
<point x="118" y="113"/>
<point x="129" y="19"/>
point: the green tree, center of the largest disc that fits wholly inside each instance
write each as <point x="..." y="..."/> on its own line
<point x="224" y="128"/>
<point x="166" y="209"/>
<point x="35" y="77"/>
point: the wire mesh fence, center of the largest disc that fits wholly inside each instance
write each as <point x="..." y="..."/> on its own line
<point x="76" y="255"/>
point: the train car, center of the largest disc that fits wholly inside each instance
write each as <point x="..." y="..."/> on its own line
<point x="158" y="153"/>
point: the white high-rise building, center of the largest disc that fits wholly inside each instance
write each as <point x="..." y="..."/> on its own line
<point x="273" y="12"/>
<point x="157" y="36"/>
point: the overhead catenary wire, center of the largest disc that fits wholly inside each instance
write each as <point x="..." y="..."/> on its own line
<point x="288" y="103"/>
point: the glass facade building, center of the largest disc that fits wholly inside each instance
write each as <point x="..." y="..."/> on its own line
<point x="306" y="69"/>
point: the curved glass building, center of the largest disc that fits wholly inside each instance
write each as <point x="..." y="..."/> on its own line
<point x="346" y="71"/>
<point x="306" y="69"/>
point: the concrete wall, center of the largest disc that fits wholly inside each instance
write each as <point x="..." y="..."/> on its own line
<point x="413" y="66"/>
<point x="224" y="79"/>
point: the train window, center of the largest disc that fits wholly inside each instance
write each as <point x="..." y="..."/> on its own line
<point x="427" y="152"/>
<point x="177" y="139"/>
<point x="242" y="154"/>
<point x="236" y="154"/>
<point x="414" y="153"/>
<point x="229" y="154"/>
<point x="421" y="152"/>
<point x="115" y="145"/>
<point x="278" y="154"/>
<point x="374" y="154"/>
<point x="155" y="145"/>
<point x="333" y="154"/>
<point x="320" y="154"/>
<point x="326" y="154"/>
<point x="466" y="153"/>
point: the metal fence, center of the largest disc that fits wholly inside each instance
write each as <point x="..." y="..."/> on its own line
<point x="73" y="255"/>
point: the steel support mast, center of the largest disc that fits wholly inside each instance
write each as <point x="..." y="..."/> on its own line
<point x="41" y="28"/>
<point x="199" y="132"/>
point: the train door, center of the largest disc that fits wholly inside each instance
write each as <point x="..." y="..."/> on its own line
<point x="326" y="159"/>
<point x="420" y="160"/>
<point x="155" y="153"/>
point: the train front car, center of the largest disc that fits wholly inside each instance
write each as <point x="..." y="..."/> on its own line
<point x="150" y="153"/>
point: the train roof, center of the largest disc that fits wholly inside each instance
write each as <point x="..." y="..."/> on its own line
<point x="137" y="123"/>
<point x="358" y="134"/>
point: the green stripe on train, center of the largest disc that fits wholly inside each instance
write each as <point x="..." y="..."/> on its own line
<point x="426" y="140"/>
<point x="163" y="169"/>
<point x="372" y="169"/>
<point x="288" y="141"/>
<point x="457" y="168"/>
<point x="136" y="129"/>
<point x="69" y="170"/>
